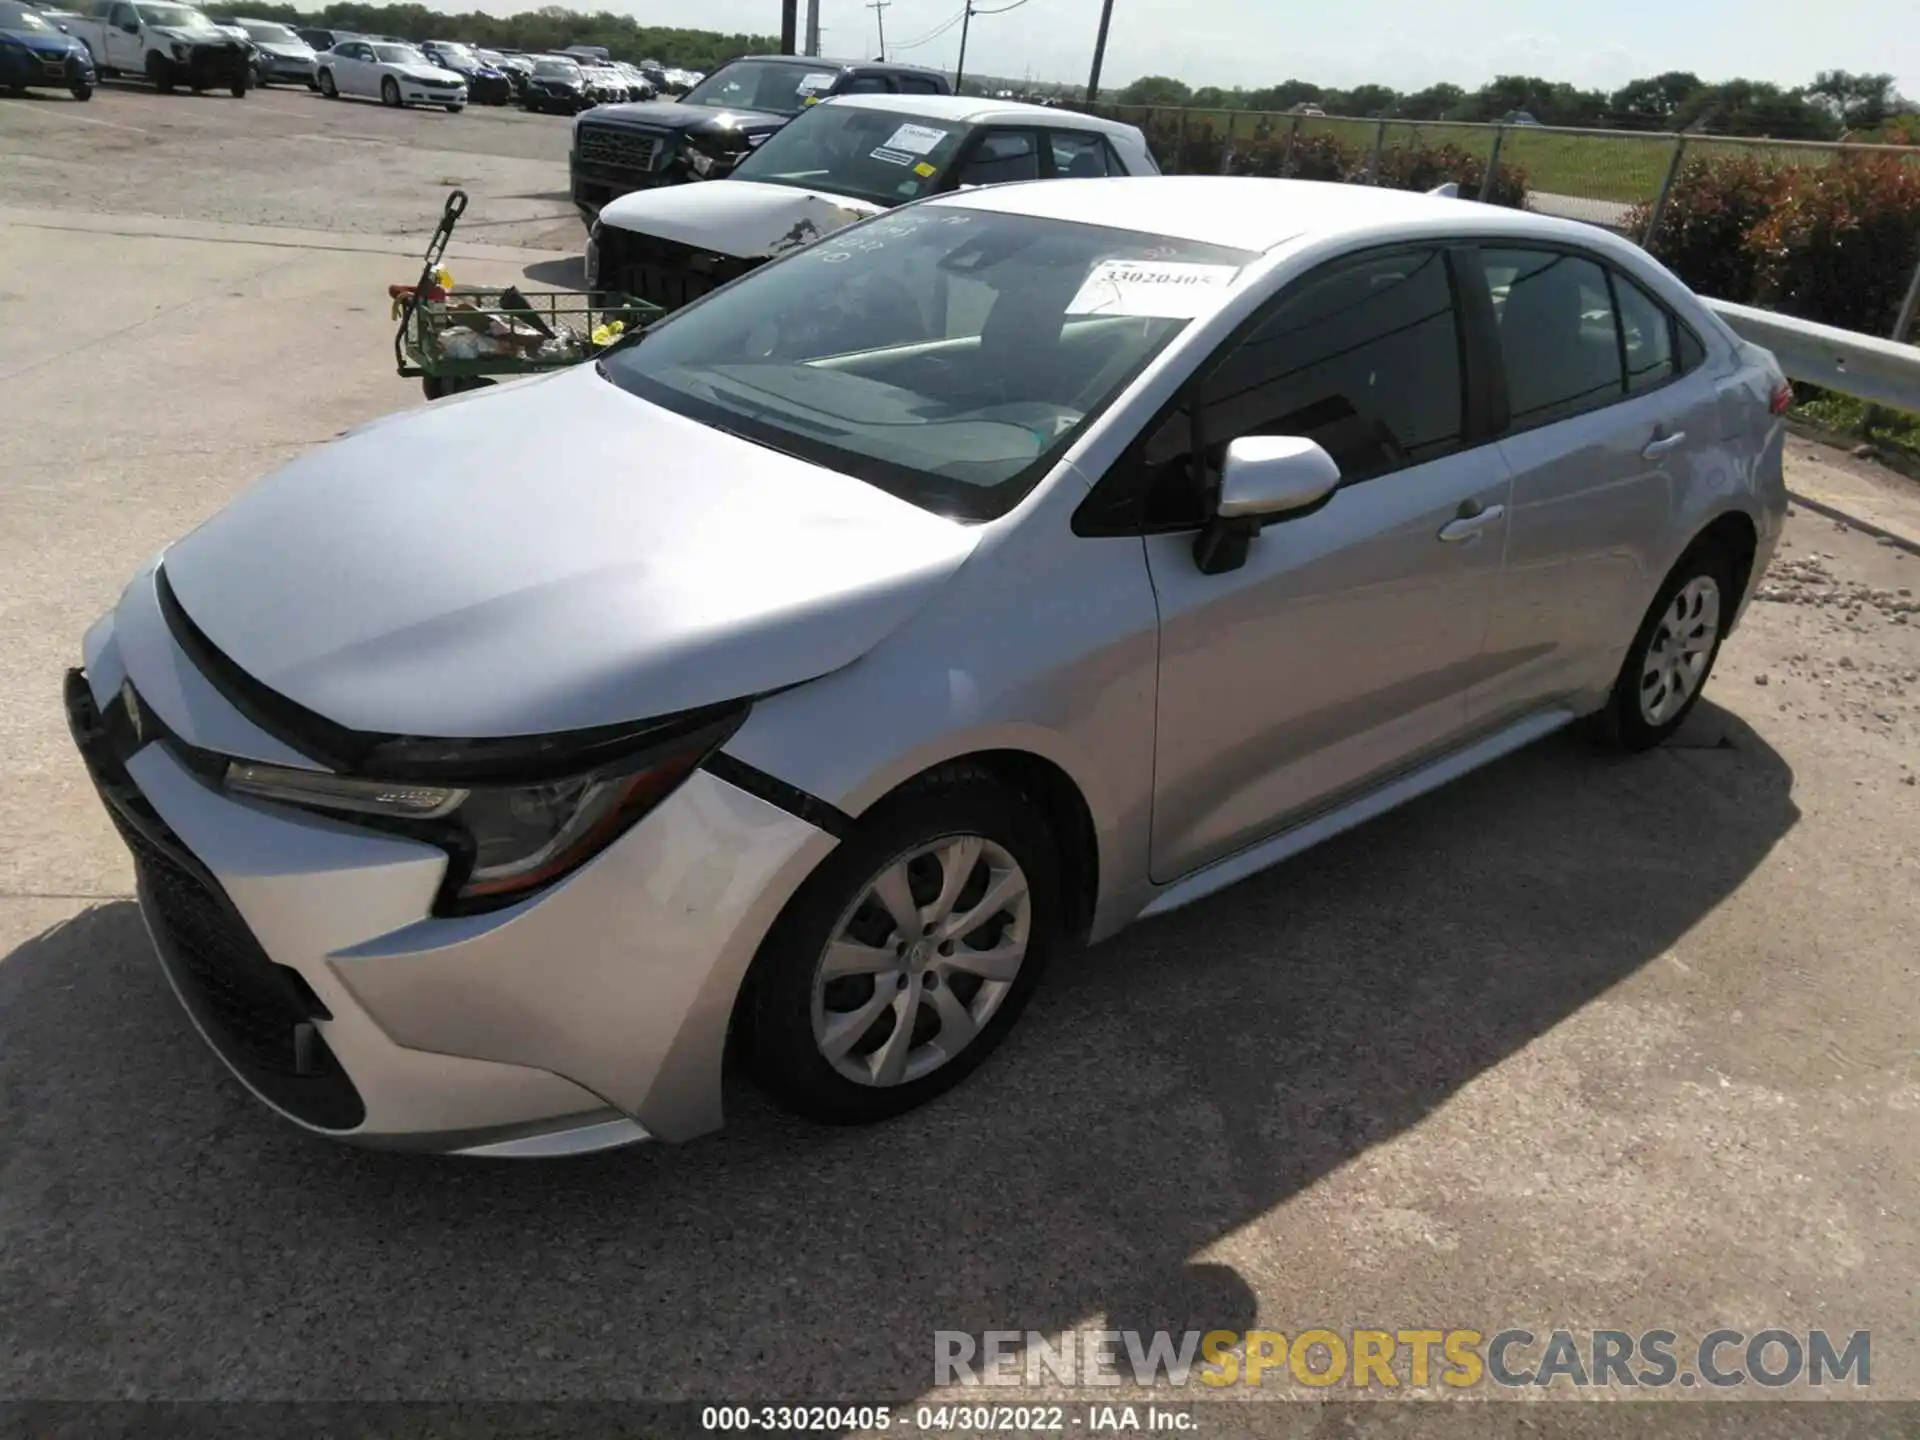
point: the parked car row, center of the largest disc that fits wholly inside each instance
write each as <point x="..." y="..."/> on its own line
<point x="837" y="163"/>
<point x="718" y="123"/>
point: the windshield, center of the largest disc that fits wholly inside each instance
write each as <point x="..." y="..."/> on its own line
<point x="399" y="55"/>
<point x="458" y="54"/>
<point x="557" y="69"/>
<point x="784" y="89"/>
<point x="18" y="17"/>
<point x="174" y="17"/>
<point x="271" y="33"/>
<point x="869" y="154"/>
<point x="951" y="364"/>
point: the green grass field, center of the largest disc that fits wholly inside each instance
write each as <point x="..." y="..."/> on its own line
<point x="1626" y="168"/>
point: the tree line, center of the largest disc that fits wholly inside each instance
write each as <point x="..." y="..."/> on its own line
<point x="552" y="27"/>
<point x="1835" y="103"/>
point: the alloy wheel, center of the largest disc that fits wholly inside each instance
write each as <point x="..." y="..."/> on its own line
<point x="1680" y="650"/>
<point x="920" y="961"/>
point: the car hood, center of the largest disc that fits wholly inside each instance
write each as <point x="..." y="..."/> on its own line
<point x="672" y="115"/>
<point x="551" y="555"/>
<point x="34" y="40"/>
<point x="194" y="36"/>
<point x="429" y="72"/>
<point x="284" y="49"/>
<point x="743" y="218"/>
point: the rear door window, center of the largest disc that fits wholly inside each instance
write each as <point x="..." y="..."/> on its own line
<point x="1646" y="334"/>
<point x="1000" y="157"/>
<point x="1559" y="337"/>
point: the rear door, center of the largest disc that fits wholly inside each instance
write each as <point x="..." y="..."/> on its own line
<point x="1605" y="422"/>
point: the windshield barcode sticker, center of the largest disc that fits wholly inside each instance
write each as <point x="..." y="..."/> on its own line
<point x="820" y="80"/>
<point x="918" y="139"/>
<point x="892" y="157"/>
<point x="1166" y="290"/>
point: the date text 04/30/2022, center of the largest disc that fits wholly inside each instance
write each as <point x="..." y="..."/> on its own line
<point x="969" y="1419"/>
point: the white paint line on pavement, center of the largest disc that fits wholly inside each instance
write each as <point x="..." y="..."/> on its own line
<point x="31" y="107"/>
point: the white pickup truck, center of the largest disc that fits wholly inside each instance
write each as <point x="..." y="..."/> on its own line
<point x="169" y="43"/>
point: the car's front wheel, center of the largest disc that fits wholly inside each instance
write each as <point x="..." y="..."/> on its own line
<point x="390" y="92"/>
<point x="80" y="90"/>
<point x="907" y="956"/>
<point x="327" y="87"/>
<point x="1673" y="652"/>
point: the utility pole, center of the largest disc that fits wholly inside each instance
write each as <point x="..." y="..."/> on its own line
<point x="960" y="66"/>
<point x="1099" y="51"/>
<point x="789" y="24"/>
<point x="813" y="27"/>
<point x="879" y="8"/>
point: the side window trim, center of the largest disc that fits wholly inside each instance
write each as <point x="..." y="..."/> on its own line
<point x="1117" y="504"/>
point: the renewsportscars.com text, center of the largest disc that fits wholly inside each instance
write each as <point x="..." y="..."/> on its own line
<point x="1412" y="1359"/>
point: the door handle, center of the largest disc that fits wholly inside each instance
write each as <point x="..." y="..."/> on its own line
<point x="1659" y="446"/>
<point x="1466" y="527"/>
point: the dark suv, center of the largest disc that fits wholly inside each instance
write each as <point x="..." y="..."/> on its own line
<point x="703" y="135"/>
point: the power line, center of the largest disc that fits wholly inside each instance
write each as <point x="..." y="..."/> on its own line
<point x="933" y="35"/>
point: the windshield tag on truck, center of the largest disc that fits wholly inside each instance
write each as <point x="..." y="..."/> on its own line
<point x="892" y="157"/>
<point x="810" y="83"/>
<point x="918" y="139"/>
<point x="1164" y="289"/>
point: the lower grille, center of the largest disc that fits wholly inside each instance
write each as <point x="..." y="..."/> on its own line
<point x="256" y="1013"/>
<point x="660" y="272"/>
<point x="618" y="146"/>
<point x="218" y="65"/>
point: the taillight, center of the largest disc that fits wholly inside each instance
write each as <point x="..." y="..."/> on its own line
<point x="1781" y="400"/>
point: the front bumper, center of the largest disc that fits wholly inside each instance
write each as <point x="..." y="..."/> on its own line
<point x="489" y="89"/>
<point x="214" y="66"/>
<point x="286" y="67"/>
<point x="412" y="92"/>
<point x="306" y="953"/>
<point x="55" y="68"/>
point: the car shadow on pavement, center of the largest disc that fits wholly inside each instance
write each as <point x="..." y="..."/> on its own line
<point x="569" y="271"/>
<point x="169" y="1237"/>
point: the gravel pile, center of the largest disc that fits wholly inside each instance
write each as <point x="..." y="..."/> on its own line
<point x="1806" y="580"/>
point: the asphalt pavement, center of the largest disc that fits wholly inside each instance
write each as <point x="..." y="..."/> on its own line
<point x="1576" y="1041"/>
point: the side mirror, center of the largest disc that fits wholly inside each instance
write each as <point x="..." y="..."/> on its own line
<point x="1262" y="478"/>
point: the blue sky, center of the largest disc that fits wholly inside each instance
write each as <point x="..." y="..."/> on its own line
<point x="1345" y="42"/>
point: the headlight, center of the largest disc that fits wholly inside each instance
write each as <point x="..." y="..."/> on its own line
<point x="506" y="837"/>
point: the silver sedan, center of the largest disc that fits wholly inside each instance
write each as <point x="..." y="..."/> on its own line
<point x="805" y="674"/>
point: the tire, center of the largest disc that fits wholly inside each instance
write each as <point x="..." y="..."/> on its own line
<point x="455" y="109"/>
<point x="80" y="92"/>
<point x="160" y="72"/>
<point x="239" y="92"/>
<point x="326" y="86"/>
<point x="390" y="93"/>
<point x="795" y="1016"/>
<point x="1684" y="626"/>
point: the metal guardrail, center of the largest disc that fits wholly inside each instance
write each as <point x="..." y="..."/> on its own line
<point x="1881" y="372"/>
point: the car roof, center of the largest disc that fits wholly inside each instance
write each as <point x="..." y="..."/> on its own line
<point x="974" y="110"/>
<point x="1250" y="213"/>
<point x="815" y="62"/>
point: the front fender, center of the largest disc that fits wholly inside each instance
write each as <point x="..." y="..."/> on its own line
<point x="1043" y="643"/>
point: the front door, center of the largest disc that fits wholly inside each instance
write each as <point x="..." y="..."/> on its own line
<point x="1346" y="646"/>
<point x="125" y="50"/>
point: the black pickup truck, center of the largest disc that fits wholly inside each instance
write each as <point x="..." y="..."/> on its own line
<point x="703" y="135"/>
